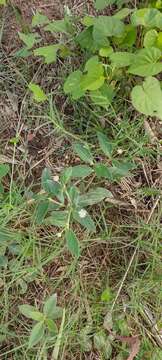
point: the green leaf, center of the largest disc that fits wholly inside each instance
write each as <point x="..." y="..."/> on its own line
<point x="50" y="306"/>
<point x="72" y="243"/>
<point x="4" y="170"/>
<point x="52" y="327"/>
<point x="52" y="187"/>
<point x="105" y="145"/>
<point x="101" y="4"/>
<point x="41" y="211"/>
<point x="148" y="17"/>
<point x="150" y="38"/>
<point x="86" y="221"/>
<point x="107" y="26"/>
<point x="88" y="20"/>
<point x="72" y="85"/>
<point x="94" y="79"/>
<point x="84" y="152"/>
<point x="57" y="218"/>
<point x="146" y="62"/>
<point x="159" y="41"/>
<point x="103" y="171"/>
<point x="106" y="51"/>
<point x="147" y="98"/>
<point x="81" y="171"/>
<point x="57" y="26"/>
<point x="121" y="59"/>
<point x="23" y="53"/>
<point x="103" y="97"/>
<point x="3" y="2"/>
<point x="94" y="196"/>
<point x="37" y="334"/>
<point x="66" y="175"/>
<point x="107" y="295"/>
<point x="39" y="19"/>
<point x="29" y="39"/>
<point x="38" y="93"/>
<point x="123" y="13"/>
<point x="31" y="312"/>
<point x="48" y="52"/>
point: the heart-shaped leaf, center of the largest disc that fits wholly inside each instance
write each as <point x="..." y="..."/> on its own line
<point x="147" y="98"/>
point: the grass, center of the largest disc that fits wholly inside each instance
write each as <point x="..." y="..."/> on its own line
<point x="123" y="257"/>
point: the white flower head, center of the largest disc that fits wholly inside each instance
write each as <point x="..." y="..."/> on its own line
<point x="56" y="178"/>
<point x="82" y="213"/>
<point x="59" y="235"/>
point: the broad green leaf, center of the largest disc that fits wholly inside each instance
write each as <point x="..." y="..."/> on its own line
<point x="48" y="52"/>
<point x="148" y="17"/>
<point x="147" y="98"/>
<point x="57" y="218"/>
<point x="50" y="306"/>
<point x="4" y="170"/>
<point x="81" y="171"/>
<point x="93" y="61"/>
<point x="38" y="94"/>
<point x="122" y="58"/>
<point x="103" y="97"/>
<point x="57" y="26"/>
<point x="72" y="85"/>
<point x="105" y="145"/>
<point x="129" y="37"/>
<point x="94" y="79"/>
<point x="85" y="38"/>
<point x="29" y="39"/>
<point x="86" y="221"/>
<point x="88" y="20"/>
<point x="41" y="211"/>
<point x="84" y="152"/>
<point x="72" y="243"/>
<point x="103" y="171"/>
<point x="146" y="62"/>
<point x="94" y="196"/>
<point x="121" y="169"/>
<point x="39" y="19"/>
<point x="37" y="334"/>
<point x="101" y="4"/>
<point x="107" y="26"/>
<point x="31" y="312"/>
<point x="159" y="41"/>
<point x="3" y="2"/>
<point x="123" y="13"/>
<point x="106" y="51"/>
<point x="150" y="38"/>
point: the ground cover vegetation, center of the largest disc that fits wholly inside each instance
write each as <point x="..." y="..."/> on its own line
<point x="80" y="180"/>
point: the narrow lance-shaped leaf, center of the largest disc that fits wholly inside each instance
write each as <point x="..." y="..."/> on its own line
<point x="72" y="243"/>
<point x="37" y="334"/>
<point x="105" y="145"/>
<point x="94" y="196"/>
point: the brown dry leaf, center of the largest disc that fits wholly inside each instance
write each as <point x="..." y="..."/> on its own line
<point x="133" y="342"/>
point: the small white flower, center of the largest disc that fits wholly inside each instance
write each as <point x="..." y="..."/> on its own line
<point x="56" y="178"/>
<point x="120" y="151"/>
<point x="59" y="235"/>
<point x="82" y="213"/>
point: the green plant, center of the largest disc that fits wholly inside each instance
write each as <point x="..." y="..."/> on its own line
<point x="115" y="54"/>
<point x="64" y="200"/>
<point x="45" y="326"/>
